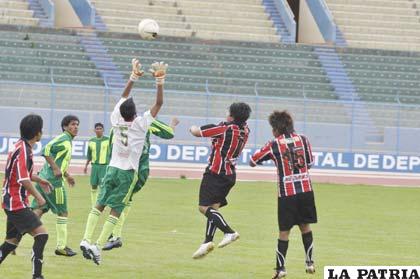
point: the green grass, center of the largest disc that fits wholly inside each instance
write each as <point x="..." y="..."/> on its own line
<point x="358" y="225"/>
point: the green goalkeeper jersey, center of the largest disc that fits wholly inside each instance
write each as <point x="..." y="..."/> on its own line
<point x="60" y="149"/>
<point x="99" y="151"/>
<point x="159" y="129"/>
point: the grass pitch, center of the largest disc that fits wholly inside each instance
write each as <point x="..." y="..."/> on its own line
<point x="358" y="225"/>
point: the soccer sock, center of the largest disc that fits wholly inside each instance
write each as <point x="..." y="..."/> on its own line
<point x="210" y="231"/>
<point x="281" y="252"/>
<point x="109" y="226"/>
<point x="93" y="196"/>
<point x="5" y="250"/>
<point x="92" y="220"/>
<point x="117" y="232"/>
<point x="61" y="227"/>
<point x="308" y="244"/>
<point x="218" y="220"/>
<point x="38" y="253"/>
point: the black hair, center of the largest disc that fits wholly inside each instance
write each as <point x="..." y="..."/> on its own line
<point x="30" y="126"/>
<point x="239" y="112"/>
<point x="128" y="109"/>
<point x="99" y="124"/>
<point x="281" y="122"/>
<point x="67" y="120"/>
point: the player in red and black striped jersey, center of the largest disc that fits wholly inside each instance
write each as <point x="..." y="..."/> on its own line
<point x="228" y="140"/>
<point x="16" y="189"/>
<point x="292" y="155"/>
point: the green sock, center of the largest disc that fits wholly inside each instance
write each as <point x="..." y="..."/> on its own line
<point x="91" y="224"/>
<point x="109" y="226"/>
<point x="117" y="232"/>
<point x="93" y="196"/>
<point x="61" y="227"/>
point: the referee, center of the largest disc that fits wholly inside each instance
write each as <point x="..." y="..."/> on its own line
<point x="292" y="154"/>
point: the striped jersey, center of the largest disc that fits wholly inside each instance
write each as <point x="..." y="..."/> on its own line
<point x="293" y="157"/>
<point x="228" y="140"/>
<point x="19" y="167"/>
<point x="60" y="149"/>
<point x="98" y="150"/>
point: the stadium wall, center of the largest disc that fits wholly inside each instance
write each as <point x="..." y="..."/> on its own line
<point x="308" y="29"/>
<point x="65" y="16"/>
<point x="85" y="11"/>
<point x="198" y="154"/>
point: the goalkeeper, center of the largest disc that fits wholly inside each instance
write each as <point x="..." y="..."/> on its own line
<point x="121" y="175"/>
<point x="162" y="131"/>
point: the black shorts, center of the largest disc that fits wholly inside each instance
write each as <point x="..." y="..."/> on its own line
<point x="215" y="188"/>
<point x="296" y="210"/>
<point x="20" y="222"/>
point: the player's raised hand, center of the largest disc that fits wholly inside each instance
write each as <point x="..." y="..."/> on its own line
<point x="158" y="70"/>
<point x="174" y="122"/>
<point x="136" y="69"/>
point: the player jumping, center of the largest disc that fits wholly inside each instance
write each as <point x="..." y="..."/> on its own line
<point x="228" y="140"/>
<point x="121" y="176"/>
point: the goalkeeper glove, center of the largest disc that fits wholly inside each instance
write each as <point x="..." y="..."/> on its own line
<point x="158" y="70"/>
<point x="137" y="71"/>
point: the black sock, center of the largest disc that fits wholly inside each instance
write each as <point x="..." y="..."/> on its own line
<point x="308" y="240"/>
<point x="5" y="250"/>
<point x="210" y="230"/>
<point x="281" y="252"/>
<point x="38" y="253"/>
<point x="218" y="220"/>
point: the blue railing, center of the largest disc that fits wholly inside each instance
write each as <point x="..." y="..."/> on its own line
<point x="287" y="16"/>
<point x="324" y="121"/>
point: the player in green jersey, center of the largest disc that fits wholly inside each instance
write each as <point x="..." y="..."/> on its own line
<point x="98" y="155"/>
<point x="58" y="154"/>
<point x="163" y="131"/>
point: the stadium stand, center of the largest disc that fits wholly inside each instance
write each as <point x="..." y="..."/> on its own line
<point x="392" y="24"/>
<point x="383" y="76"/>
<point x="235" y="68"/>
<point x="16" y="12"/>
<point x="214" y="19"/>
<point x="38" y="55"/>
<point x="228" y="67"/>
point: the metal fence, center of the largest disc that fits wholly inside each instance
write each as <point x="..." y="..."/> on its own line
<point x="331" y="125"/>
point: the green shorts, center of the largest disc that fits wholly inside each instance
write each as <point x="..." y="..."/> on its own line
<point x="117" y="188"/>
<point x="98" y="172"/>
<point x="56" y="200"/>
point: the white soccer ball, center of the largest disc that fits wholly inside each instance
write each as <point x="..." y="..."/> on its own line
<point x="148" y="29"/>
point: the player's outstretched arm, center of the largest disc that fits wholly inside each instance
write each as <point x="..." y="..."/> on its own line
<point x="208" y="131"/>
<point x="174" y="122"/>
<point x="136" y="73"/>
<point x="158" y="70"/>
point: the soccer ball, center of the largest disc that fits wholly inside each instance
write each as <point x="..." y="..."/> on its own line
<point x="148" y="29"/>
